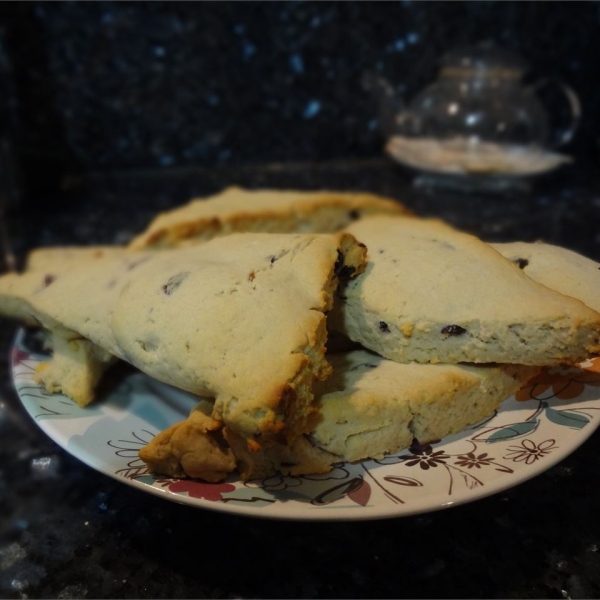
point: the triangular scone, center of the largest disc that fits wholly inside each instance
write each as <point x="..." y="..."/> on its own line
<point x="240" y="318"/>
<point x="368" y="408"/>
<point x="557" y="268"/>
<point x="270" y="211"/>
<point x="433" y="294"/>
<point x="76" y="365"/>
<point x="371" y="406"/>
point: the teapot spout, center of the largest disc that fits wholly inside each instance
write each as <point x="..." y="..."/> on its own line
<point x="390" y="105"/>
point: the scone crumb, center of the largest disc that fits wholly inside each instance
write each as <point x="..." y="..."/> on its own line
<point x="407" y="329"/>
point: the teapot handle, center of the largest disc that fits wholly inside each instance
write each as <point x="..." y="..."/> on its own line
<point x="566" y="135"/>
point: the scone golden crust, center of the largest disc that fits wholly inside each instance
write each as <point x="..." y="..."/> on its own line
<point x="557" y="268"/>
<point x="193" y="448"/>
<point x="433" y="294"/>
<point x="240" y="318"/>
<point x="300" y="457"/>
<point x="271" y="211"/>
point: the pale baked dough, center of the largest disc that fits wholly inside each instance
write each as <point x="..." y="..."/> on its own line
<point x="76" y="364"/>
<point x="368" y="408"/>
<point x="57" y="259"/>
<point x="272" y="211"/>
<point x="557" y="268"/>
<point x="433" y="294"/>
<point x="75" y="368"/>
<point x="240" y="318"/>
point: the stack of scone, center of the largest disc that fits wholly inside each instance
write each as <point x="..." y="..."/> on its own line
<point x="233" y="298"/>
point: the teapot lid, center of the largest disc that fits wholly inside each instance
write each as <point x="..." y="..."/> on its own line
<point x="483" y="57"/>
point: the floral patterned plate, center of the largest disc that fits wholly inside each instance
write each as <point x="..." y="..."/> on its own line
<point x="530" y="433"/>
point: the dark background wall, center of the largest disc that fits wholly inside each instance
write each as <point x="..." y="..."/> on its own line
<point x="104" y="86"/>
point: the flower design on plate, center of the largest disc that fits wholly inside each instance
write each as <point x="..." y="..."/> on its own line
<point x="136" y="467"/>
<point x="564" y="384"/>
<point x="470" y="460"/>
<point x="528" y="451"/>
<point x="425" y="457"/>
<point x="197" y="489"/>
<point x="278" y="483"/>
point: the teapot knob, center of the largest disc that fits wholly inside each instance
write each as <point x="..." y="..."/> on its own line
<point x="565" y="135"/>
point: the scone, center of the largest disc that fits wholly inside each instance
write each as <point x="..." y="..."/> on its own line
<point x="75" y="368"/>
<point x="55" y="259"/>
<point x="240" y="318"/>
<point x="271" y="211"/>
<point x="371" y="406"/>
<point x="433" y="294"/>
<point x="557" y="268"/>
<point x="368" y="408"/>
<point x="76" y="365"/>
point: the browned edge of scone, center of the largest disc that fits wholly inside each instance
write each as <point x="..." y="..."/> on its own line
<point x="195" y="447"/>
<point x="206" y="228"/>
<point x="192" y="448"/>
<point x="293" y="406"/>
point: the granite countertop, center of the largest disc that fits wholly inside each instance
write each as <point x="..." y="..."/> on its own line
<point x="70" y="532"/>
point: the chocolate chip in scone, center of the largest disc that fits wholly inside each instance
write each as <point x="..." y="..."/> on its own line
<point x="354" y="214"/>
<point x="272" y="259"/>
<point x="174" y="282"/>
<point x="453" y="330"/>
<point x="521" y="262"/>
<point x="383" y="326"/>
<point x="342" y="271"/>
<point x="49" y="279"/>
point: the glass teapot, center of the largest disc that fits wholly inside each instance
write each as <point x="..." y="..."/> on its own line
<point x="477" y="108"/>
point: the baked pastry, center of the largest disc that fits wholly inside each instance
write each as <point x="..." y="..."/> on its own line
<point x="54" y="259"/>
<point x="240" y="318"/>
<point x="271" y="211"/>
<point x="433" y="294"/>
<point x="75" y="368"/>
<point x="368" y="408"/>
<point x="76" y="364"/>
<point x="371" y="406"/>
<point x="194" y="448"/>
<point x="557" y="268"/>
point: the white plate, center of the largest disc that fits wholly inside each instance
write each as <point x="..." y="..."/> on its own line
<point x="526" y="437"/>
